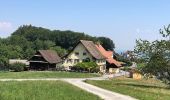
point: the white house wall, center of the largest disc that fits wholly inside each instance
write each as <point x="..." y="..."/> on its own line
<point x="81" y="49"/>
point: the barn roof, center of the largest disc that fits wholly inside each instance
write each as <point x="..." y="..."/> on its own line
<point x="50" y="56"/>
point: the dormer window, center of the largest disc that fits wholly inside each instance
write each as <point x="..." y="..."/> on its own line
<point x="76" y="53"/>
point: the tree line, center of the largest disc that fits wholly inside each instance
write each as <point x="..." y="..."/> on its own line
<point x="27" y="39"/>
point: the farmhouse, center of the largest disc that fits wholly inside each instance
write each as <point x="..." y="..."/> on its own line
<point x="112" y="65"/>
<point x="44" y="60"/>
<point x="84" y="51"/>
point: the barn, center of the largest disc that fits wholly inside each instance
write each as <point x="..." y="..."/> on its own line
<point x="44" y="60"/>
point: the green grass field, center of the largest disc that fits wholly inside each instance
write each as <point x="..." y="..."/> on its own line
<point x="141" y="89"/>
<point x="46" y="74"/>
<point x="42" y="90"/>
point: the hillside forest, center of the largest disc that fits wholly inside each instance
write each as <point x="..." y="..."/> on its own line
<point x="27" y="39"/>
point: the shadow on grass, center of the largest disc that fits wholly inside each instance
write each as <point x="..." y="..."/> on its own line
<point x="144" y="86"/>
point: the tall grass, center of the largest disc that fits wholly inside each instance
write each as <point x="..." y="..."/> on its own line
<point x="46" y="74"/>
<point x="141" y="89"/>
<point x="42" y="90"/>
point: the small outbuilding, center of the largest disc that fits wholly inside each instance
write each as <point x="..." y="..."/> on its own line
<point x="44" y="60"/>
<point x="23" y="61"/>
<point x="135" y="74"/>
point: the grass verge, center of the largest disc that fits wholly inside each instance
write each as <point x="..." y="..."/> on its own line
<point x="141" y="89"/>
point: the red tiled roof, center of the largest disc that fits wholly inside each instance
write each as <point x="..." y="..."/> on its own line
<point x="108" y="55"/>
<point x="113" y="61"/>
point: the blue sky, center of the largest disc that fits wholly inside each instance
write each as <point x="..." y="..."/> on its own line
<point x="123" y="21"/>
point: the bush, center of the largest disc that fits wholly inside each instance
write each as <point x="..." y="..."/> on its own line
<point x="3" y="64"/>
<point x="126" y="68"/>
<point x="87" y="66"/>
<point x="17" y="67"/>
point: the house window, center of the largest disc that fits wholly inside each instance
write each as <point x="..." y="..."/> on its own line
<point x="86" y="60"/>
<point x="76" y="53"/>
<point x="76" y="60"/>
<point x="84" y="53"/>
<point x="69" y="60"/>
<point x="99" y="61"/>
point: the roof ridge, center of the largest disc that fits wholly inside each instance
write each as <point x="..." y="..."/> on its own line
<point x="86" y="40"/>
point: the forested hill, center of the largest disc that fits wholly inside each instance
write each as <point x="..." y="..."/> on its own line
<point x="27" y="39"/>
<point x="65" y="39"/>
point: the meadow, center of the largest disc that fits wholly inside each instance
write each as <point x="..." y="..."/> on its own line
<point x="42" y="90"/>
<point x="144" y="89"/>
<point x="46" y="74"/>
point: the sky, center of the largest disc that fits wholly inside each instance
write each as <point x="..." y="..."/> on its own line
<point x="123" y="21"/>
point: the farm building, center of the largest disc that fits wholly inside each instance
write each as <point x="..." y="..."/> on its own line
<point x="135" y="74"/>
<point x="84" y="51"/>
<point x="44" y="60"/>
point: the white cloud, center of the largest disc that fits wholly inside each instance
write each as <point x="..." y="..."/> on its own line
<point x="5" y="26"/>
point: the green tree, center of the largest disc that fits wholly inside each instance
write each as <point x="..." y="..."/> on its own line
<point x="156" y="56"/>
<point x="61" y="52"/>
<point x="107" y="43"/>
<point x="64" y="39"/>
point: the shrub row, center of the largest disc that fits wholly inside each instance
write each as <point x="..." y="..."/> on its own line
<point x="17" y="67"/>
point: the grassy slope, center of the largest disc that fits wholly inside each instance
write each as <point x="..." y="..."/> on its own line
<point x="42" y="90"/>
<point x="47" y="74"/>
<point x="140" y="89"/>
